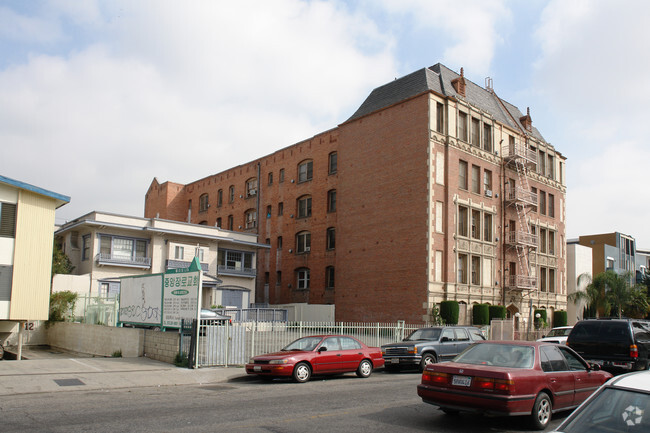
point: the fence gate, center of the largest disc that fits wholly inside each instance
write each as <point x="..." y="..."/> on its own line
<point x="221" y="345"/>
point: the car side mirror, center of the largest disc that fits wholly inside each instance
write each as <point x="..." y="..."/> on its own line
<point x="322" y="349"/>
<point x="443" y="339"/>
<point x="594" y="367"/>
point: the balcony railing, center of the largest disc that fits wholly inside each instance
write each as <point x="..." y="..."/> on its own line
<point x="521" y="239"/>
<point x="113" y="260"/>
<point x="519" y="151"/>
<point x="181" y="264"/>
<point x="237" y="271"/>
<point x="521" y="282"/>
<point x="522" y="195"/>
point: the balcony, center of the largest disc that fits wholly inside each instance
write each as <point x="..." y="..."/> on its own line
<point x="237" y="271"/>
<point x="180" y="264"/>
<point x="519" y="152"/>
<point x="521" y="282"/>
<point x="130" y="262"/>
<point x="522" y="196"/>
<point x="521" y="239"/>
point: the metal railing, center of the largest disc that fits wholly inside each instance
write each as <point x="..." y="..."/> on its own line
<point x="255" y="314"/>
<point x="110" y="259"/>
<point x="234" y="270"/>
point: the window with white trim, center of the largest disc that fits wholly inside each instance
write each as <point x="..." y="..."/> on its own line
<point x="302" y="278"/>
<point x="303" y="242"/>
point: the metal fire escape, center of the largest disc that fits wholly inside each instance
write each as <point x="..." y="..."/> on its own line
<point x="519" y="196"/>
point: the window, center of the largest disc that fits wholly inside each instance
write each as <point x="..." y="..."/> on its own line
<point x="219" y="198"/>
<point x="331" y="238"/>
<point x="462" y="126"/>
<point x="331" y="200"/>
<point x="271" y="178"/>
<point x="278" y="278"/>
<point x="534" y="198"/>
<point x="462" y="174"/>
<point x="550" y="167"/>
<point x="7" y="220"/>
<point x="203" y="203"/>
<point x="250" y="218"/>
<point x="305" y="171"/>
<point x="542" y="240"/>
<point x="329" y="277"/>
<point x="487" y="137"/>
<point x="332" y="166"/>
<point x="200" y="253"/>
<point x="74" y="237"/>
<point x="487" y="183"/>
<point x="303" y="242"/>
<point x="304" y="206"/>
<point x="440" y="117"/>
<point x="476" y="224"/>
<point x="251" y="187"/>
<point x="218" y="222"/>
<point x="85" y="252"/>
<point x="232" y="260"/>
<point x="476" y="270"/>
<point x="476" y="131"/>
<point x="476" y="179"/>
<point x="230" y="222"/>
<point x="487" y="227"/>
<point x="551" y="205"/>
<point x="302" y="278"/>
<point x="551" y="242"/>
<point x="280" y="208"/>
<point x="281" y="175"/>
<point x="541" y="163"/>
<point x="279" y="242"/>
<point x="179" y="252"/>
<point x="542" y="279"/>
<point x="542" y="202"/>
<point x="462" y="268"/>
<point x="231" y="194"/>
<point x="268" y="211"/>
<point x="551" y="280"/>
<point x="463" y="214"/>
<point x="123" y="249"/>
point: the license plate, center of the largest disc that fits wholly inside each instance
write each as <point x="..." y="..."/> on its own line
<point x="257" y="368"/>
<point x="394" y="360"/>
<point x="461" y="380"/>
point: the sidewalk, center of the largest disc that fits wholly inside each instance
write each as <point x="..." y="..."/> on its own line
<point x="52" y="371"/>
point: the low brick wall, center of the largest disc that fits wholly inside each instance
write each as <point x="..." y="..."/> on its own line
<point x="96" y="340"/>
<point x="162" y="346"/>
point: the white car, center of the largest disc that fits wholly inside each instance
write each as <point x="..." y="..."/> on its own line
<point x="557" y="335"/>
<point x="622" y="404"/>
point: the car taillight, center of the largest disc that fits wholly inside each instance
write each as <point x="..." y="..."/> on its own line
<point x="634" y="351"/>
<point x="489" y="384"/>
<point x="435" y="377"/>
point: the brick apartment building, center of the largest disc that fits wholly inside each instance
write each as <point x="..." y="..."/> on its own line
<point x="434" y="189"/>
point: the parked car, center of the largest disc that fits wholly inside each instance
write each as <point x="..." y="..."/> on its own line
<point x="511" y="378"/>
<point x="622" y="404"/>
<point x="429" y="345"/>
<point x="618" y="345"/>
<point x="209" y="317"/>
<point x="318" y="354"/>
<point x="557" y="335"/>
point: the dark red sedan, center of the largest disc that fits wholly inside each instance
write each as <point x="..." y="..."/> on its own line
<point x="318" y="354"/>
<point x="511" y="378"/>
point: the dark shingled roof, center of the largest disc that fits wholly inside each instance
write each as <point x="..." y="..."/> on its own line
<point x="437" y="79"/>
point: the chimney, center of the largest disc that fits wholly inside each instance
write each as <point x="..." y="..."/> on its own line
<point x="459" y="83"/>
<point x="526" y="120"/>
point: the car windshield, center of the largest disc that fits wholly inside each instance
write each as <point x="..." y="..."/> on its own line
<point x="500" y="355"/>
<point x="559" y="333"/>
<point x="424" y="334"/>
<point x="306" y="343"/>
<point x="612" y="410"/>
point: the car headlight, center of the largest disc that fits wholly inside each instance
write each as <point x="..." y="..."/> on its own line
<point x="251" y="361"/>
<point x="278" y="361"/>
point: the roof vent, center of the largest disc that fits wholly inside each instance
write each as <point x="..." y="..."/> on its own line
<point x="526" y="120"/>
<point x="459" y="83"/>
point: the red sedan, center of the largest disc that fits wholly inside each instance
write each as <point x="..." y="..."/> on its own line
<point x="511" y="378"/>
<point x="318" y="354"/>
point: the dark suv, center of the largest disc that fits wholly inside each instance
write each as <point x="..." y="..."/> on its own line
<point x="428" y="346"/>
<point x="617" y="345"/>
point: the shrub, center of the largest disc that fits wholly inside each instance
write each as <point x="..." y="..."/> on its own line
<point x="62" y="306"/>
<point x="481" y="314"/>
<point x="560" y="318"/>
<point x="541" y="322"/>
<point x="449" y="312"/>
<point x="497" y="312"/>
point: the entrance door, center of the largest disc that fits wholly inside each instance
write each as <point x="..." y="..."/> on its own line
<point x="231" y="298"/>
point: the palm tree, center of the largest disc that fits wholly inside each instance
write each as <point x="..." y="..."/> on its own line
<point x="595" y="294"/>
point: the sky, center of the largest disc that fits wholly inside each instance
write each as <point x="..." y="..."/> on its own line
<point x="98" y="98"/>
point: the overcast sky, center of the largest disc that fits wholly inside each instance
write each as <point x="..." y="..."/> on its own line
<point x="99" y="97"/>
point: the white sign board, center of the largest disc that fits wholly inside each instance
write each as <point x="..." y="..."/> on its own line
<point x="180" y="297"/>
<point x="140" y="300"/>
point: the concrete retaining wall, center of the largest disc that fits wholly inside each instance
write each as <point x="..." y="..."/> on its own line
<point x="162" y="346"/>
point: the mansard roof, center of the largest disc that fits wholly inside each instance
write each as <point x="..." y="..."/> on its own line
<point x="438" y="79"/>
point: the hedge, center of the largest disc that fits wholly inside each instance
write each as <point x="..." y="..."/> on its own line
<point x="560" y="318"/>
<point x="542" y="318"/>
<point x="497" y="312"/>
<point x="481" y="314"/>
<point x="449" y="311"/>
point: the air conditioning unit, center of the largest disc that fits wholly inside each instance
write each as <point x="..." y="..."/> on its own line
<point x="488" y="193"/>
<point x="307" y="249"/>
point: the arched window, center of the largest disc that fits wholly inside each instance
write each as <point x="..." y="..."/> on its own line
<point x="304" y="206"/>
<point x="250" y="219"/>
<point x="329" y="277"/>
<point x="219" y="198"/>
<point x="231" y="194"/>
<point x="251" y="187"/>
<point x="332" y="163"/>
<point x="305" y="171"/>
<point x="203" y="203"/>
<point x="303" y="242"/>
<point x="331" y="200"/>
<point x="331" y="238"/>
<point x="230" y="222"/>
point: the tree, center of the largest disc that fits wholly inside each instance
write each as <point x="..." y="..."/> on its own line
<point x="595" y="294"/>
<point x="610" y="292"/>
<point x="61" y="263"/>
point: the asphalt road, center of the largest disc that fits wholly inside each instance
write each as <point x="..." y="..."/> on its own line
<point x="382" y="403"/>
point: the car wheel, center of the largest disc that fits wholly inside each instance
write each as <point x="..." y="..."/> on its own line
<point x="365" y="368"/>
<point x="427" y="358"/>
<point x="542" y="410"/>
<point x="301" y="373"/>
